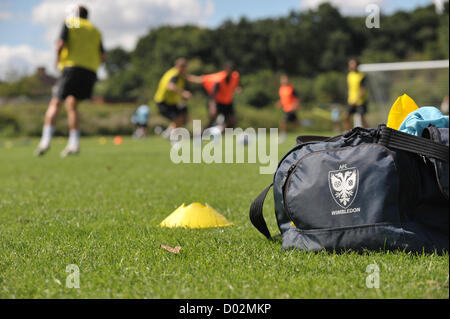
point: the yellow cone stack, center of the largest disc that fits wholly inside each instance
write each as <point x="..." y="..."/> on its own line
<point x="195" y="216"/>
<point x="400" y="110"/>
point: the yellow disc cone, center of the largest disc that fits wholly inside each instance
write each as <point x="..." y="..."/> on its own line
<point x="400" y="110"/>
<point x="193" y="216"/>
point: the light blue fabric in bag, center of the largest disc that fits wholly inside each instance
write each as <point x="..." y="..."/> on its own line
<point x="420" y="119"/>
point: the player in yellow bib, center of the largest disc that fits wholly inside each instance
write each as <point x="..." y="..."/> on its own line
<point x="171" y="96"/>
<point x="79" y="54"/>
<point x="357" y="95"/>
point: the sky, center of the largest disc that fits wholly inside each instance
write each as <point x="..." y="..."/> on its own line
<point x="29" y="28"/>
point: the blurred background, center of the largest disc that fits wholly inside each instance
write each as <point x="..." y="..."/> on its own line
<point x="311" y="40"/>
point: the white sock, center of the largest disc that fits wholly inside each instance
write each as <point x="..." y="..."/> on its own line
<point x="282" y="137"/>
<point x="74" y="139"/>
<point x="47" y="133"/>
<point x="167" y="132"/>
<point x="357" y="118"/>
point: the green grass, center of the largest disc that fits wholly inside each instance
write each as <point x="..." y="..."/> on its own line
<point x="101" y="210"/>
<point x="26" y="119"/>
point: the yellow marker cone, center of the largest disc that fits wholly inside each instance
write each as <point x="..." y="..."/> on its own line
<point x="118" y="140"/>
<point x="400" y="110"/>
<point x="195" y="216"/>
<point x="102" y="141"/>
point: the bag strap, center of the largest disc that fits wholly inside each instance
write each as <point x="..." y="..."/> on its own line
<point x="414" y="144"/>
<point x="311" y="138"/>
<point x="256" y="213"/>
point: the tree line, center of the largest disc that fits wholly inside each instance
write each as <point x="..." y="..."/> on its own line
<point x="303" y="44"/>
<point x="312" y="46"/>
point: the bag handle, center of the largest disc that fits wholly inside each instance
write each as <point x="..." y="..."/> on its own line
<point x="415" y="144"/>
<point x="311" y="138"/>
<point x="256" y="213"/>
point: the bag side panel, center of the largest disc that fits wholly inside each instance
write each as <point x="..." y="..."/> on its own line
<point x="353" y="138"/>
<point x="344" y="187"/>
<point x="281" y="175"/>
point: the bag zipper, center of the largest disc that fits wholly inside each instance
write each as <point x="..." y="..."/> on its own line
<point x="291" y="171"/>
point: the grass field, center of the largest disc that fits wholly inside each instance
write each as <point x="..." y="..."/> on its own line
<point x="101" y="210"/>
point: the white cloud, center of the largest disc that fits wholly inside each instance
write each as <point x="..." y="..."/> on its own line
<point x="123" y="21"/>
<point x="5" y="15"/>
<point x="23" y="59"/>
<point x="346" y="7"/>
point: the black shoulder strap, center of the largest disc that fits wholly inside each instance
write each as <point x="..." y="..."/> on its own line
<point x="414" y="144"/>
<point x="256" y="213"/>
<point x="311" y="138"/>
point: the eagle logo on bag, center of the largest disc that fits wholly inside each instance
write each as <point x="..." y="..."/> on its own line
<point x="344" y="185"/>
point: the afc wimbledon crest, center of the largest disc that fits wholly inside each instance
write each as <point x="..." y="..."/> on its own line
<point x="344" y="185"/>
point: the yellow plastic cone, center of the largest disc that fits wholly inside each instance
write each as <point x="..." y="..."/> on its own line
<point x="102" y="141"/>
<point x="194" y="216"/>
<point x="400" y="110"/>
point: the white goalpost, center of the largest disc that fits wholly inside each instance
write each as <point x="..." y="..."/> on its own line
<point x="400" y="66"/>
<point x="427" y="82"/>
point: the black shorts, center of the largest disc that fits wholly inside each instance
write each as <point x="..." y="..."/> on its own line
<point x="75" y="81"/>
<point x="171" y="112"/>
<point x="360" y="109"/>
<point x="226" y="110"/>
<point x="290" y="117"/>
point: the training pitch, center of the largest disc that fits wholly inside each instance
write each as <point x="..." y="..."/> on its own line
<point x="100" y="211"/>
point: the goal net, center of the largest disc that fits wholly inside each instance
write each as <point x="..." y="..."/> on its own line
<point x="426" y="82"/>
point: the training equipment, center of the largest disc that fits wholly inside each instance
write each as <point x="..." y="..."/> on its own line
<point x="215" y="132"/>
<point x="400" y="110"/>
<point x="289" y="101"/>
<point x="195" y="216"/>
<point x="226" y="88"/>
<point x="402" y="66"/>
<point x="422" y="118"/>
<point x="210" y="80"/>
<point x="368" y="189"/>
<point x="118" y="140"/>
<point x="84" y="43"/>
<point x="102" y="141"/>
<point x="354" y="83"/>
<point x="426" y="80"/>
<point x="163" y="94"/>
<point x="158" y="130"/>
<point x="225" y="92"/>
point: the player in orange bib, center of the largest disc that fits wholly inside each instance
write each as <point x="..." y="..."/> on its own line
<point x="221" y="88"/>
<point x="290" y="103"/>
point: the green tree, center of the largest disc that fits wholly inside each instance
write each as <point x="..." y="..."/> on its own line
<point x="117" y="60"/>
<point x="304" y="44"/>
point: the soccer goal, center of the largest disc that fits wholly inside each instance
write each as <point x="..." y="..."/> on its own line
<point x="427" y="82"/>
